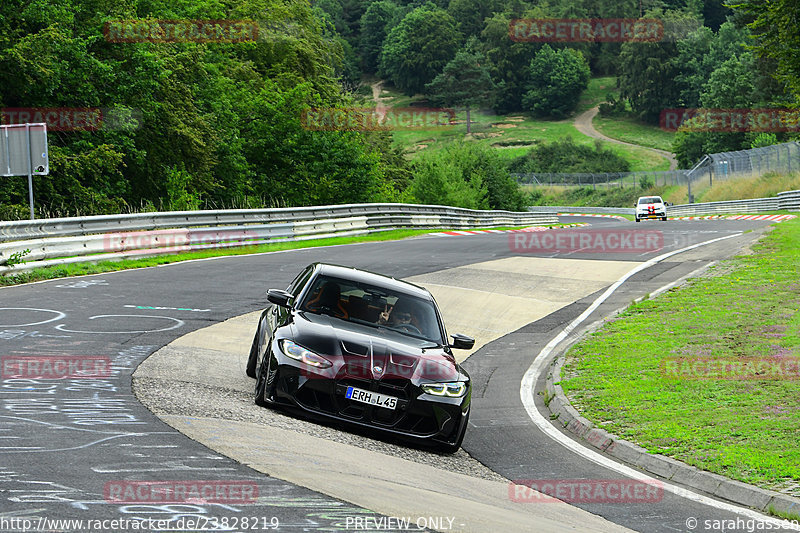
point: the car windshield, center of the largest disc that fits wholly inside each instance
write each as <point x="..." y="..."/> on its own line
<point x="650" y="200"/>
<point x="378" y="307"/>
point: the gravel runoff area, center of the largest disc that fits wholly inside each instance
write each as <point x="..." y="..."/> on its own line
<point x="173" y="397"/>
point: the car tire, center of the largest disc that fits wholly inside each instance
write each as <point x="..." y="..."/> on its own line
<point x="636" y="218"/>
<point x="252" y="359"/>
<point x="664" y="218"/>
<point x="265" y="383"/>
<point x="453" y="448"/>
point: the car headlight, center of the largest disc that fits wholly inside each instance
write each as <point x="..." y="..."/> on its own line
<point x="456" y="389"/>
<point x="304" y="355"/>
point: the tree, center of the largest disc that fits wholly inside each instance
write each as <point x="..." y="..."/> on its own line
<point x="701" y="52"/>
<point x="508" y="62"/>
<point x="647" y="78"/>
<point x="470" y="14"/>
<point x="213" y="124"/>
<point x="730" y="86"/>
<point x="464" y="81"/>
<point x="557" y="79"/>
<point x="465" y="174"/>
<point x="376" y="22"/>
<point x="419" y="47"/>
<point x="777" y="38"/>
<point x="649" y="70"/>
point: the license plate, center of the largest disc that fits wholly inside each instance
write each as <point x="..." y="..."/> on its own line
<point x="371" y="398"/>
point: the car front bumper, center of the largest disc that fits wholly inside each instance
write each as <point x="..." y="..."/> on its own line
<point x="418" y="416"/>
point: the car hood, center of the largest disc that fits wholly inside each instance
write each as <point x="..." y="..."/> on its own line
<point x="645" y="207"/>
<point x="366" y="352"/>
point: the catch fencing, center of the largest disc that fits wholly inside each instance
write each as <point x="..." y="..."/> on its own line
<point x="783" y="158"/>
<point x="603" y="179"/>
<point x="753" y="163"/>
<point x="28" y="244"/>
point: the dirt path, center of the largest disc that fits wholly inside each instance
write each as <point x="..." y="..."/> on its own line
<point x="583" y="123"/>
<point x="377" y="88"/>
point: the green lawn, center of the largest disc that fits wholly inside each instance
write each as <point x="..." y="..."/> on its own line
<point x="511" y="135"/>
<point x="746" y="428"/>
<point x="630" y="130"/>
<point x="597" y="91"/>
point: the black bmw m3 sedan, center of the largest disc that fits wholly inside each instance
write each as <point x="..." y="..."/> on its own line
<point x="365" y="349"/>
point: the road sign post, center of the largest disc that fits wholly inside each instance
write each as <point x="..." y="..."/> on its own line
<point x="23" y="152"/>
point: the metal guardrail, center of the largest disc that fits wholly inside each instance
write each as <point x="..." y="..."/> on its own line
<point x="110" y="237"/>
<point x="756" y="205"/>
<point x="574" y="209"/>
<point x="789" y="200"/>
<point x="785" y="201"/>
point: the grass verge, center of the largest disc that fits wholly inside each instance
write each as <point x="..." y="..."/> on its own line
<point x="630" y="130"/>
<point x="746" y="428"/>
<point x="82" y="269"/>
<point x="511" y="135"/>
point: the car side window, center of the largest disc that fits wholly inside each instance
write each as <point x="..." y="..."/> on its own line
<point x="299" y="282"/>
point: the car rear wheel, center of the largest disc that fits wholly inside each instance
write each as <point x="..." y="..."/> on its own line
<point x="664" y="218"/>
<point x="636" y="218"/>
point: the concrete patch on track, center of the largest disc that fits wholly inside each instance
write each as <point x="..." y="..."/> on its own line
<point x="488" y="300"/>
<point x="395" y="487"/>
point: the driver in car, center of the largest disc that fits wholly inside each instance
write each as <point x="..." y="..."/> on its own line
<point x="401" y="314"/>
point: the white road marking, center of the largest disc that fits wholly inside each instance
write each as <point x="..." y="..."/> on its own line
<point x="538" y="365"/>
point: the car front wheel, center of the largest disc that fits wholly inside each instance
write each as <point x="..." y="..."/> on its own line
<point x="265" y="383"/>
<point x="252" y="359"/>
<point x="453" y="448"/>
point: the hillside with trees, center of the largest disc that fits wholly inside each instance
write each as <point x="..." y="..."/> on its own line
<point x="193" y="125"/>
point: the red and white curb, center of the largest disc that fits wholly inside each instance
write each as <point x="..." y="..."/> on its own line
<point x="778" y="218"/>
<point x="589" y="215"/>
<point x="455" y="233"/>
<point x="704" y="217"/>
<point x="774" y="218"/>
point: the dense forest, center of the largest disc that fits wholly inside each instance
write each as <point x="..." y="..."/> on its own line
<point x="202" y="123"/>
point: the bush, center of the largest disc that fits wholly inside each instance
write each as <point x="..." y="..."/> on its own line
<point x="566" y="156"/>
<point x="465" y="174"/>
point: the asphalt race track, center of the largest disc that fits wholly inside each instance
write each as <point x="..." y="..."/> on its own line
<point x="70" y="447"/>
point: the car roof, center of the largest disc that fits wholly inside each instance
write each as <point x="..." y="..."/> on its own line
<point x="379" y="280"/>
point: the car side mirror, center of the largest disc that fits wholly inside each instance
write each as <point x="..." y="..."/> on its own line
<point x="669" y="204"/>
<point x="279" y="297"/>
<point x="462" y="342"/>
